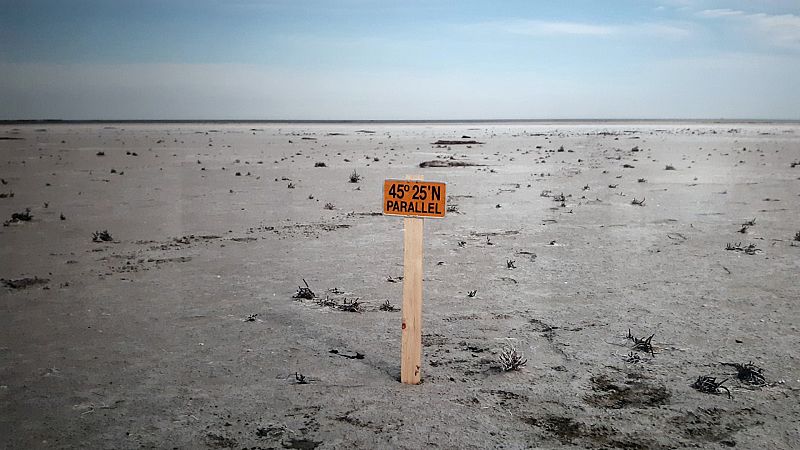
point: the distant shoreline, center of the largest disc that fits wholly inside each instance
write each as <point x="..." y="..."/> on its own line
<point x="411" y="121"/>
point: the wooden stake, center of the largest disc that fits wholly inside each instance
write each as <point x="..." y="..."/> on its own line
<point x="411" y="342"/>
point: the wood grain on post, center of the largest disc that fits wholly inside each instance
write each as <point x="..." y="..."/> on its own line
<point x="411" y="342"/>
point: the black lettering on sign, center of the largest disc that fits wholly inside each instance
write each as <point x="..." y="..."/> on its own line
<point x="436" y="193"/>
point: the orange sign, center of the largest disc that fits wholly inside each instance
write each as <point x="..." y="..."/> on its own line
<point x="414" y="198"/>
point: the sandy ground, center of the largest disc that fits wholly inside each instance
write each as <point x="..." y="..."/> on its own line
<point x="143" y="341"/>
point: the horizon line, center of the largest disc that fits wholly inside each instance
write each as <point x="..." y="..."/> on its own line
<point x="395" y="121"/>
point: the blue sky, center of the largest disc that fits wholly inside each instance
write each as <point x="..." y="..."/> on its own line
<point x="369" y="59"/>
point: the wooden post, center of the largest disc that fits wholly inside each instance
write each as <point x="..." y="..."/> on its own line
<point x="411" y="342"/>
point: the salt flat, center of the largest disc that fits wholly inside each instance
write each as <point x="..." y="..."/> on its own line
<point x="143" y="340"/>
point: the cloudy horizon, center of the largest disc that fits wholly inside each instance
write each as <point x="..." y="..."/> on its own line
<point x="363" y="59"/>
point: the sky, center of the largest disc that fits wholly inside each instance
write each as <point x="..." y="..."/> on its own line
<point x="396" y="60"/>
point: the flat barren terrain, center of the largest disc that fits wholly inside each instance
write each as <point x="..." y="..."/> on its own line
<point x="149" y="274"/>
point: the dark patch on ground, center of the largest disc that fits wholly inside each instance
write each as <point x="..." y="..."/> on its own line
<point x="570" y="431"/>
<point x="220" y="441"/>
<point x="302" y="444"/>
<point x="713" y="424"/>
<point x="458" y="142"/>
<point x="447" y="163"/>
<point x="633" y="392"/>
<point x="23" y="283"/>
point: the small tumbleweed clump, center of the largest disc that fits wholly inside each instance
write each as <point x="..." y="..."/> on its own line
<point x="24" y="216"/>
<point x="102" y="236"/>
<point x="749" y="373"/>
<point x="510" y="358"/>
<point x="387" y="306"/>
<point x="355" y="177"/>
<point x="304" y="292"/>
<point x="709" y="385"/>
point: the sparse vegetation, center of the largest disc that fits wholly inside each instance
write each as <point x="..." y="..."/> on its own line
<point x="304" y="292"/>
<point x="748" y="250"/>
<point x="330" y="206"/>
<point x="102" y="236"/>
<point x="633" y="358"/>
<point x="669" y="167"/>
<point x="320" y="164"/>
<point x="24" y="216"/>
<point x="354" y="305"/>
<point x="472" y="293"/>
<point x="387" y="306"/>
<point x="642" y="344"/>
<point x="355" y="177"/>
<point x="326" y="302"/>
<point x="709" y="385"/>
<point x="749" y="373"/>
<point x="510" y="358"/>
<point x="638" y="202"/>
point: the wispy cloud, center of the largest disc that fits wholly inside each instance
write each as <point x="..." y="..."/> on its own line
<point x="538" y="28"/>
<point x="542" y="28"/>
<point x="778" y="29"/>
<point x="723" y="12"/>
